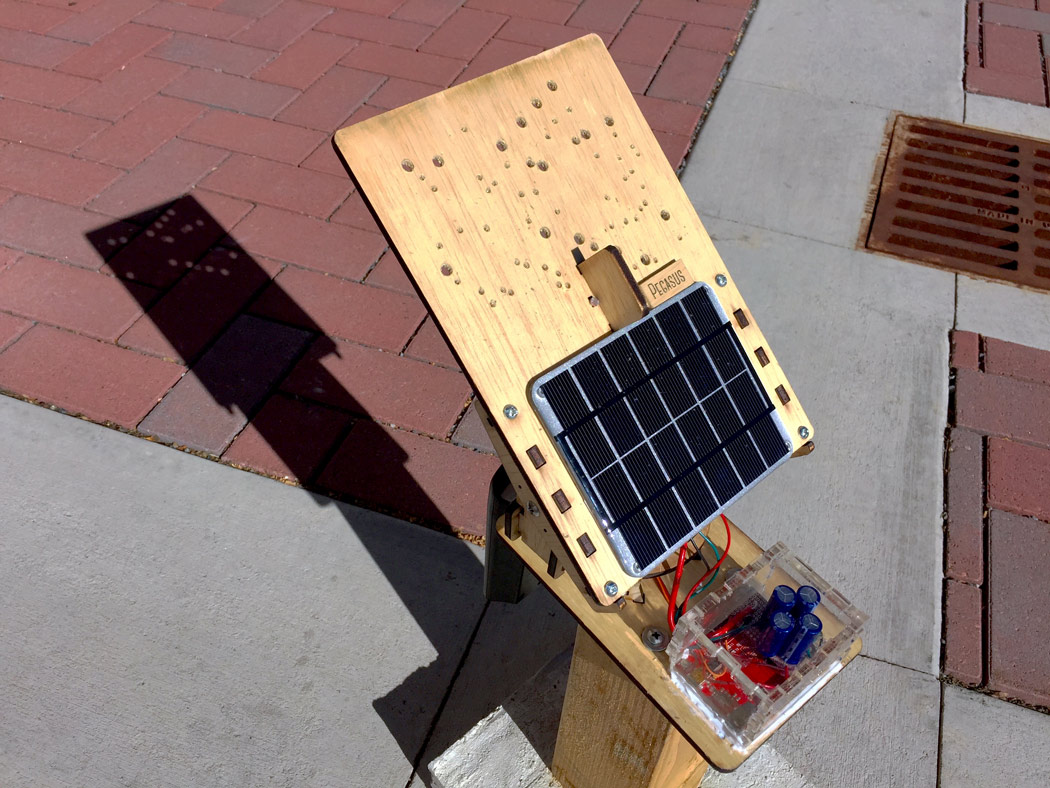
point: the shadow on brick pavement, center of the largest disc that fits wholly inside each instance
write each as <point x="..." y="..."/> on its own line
<point x="235" y="360"/>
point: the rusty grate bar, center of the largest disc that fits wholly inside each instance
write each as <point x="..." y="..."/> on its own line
<point x="966" y="199"/>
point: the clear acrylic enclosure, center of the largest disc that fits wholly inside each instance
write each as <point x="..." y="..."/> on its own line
<point x="716" y="651"/>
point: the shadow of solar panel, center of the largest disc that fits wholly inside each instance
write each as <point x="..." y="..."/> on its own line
<point x="663" y="424"/>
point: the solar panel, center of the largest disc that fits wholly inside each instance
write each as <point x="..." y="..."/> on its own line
<point x="663" y="424"/>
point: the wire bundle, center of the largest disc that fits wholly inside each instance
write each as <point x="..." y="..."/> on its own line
<point x="673" y="611"/>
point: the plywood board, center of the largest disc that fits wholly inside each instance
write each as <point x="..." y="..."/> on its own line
<point x="485" y="189"/>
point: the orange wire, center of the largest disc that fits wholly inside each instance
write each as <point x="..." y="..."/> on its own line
<point x="707" y="666"/>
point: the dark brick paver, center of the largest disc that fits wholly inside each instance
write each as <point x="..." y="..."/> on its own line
<point x="183" y="255"/>
<point x="998" y="519"/>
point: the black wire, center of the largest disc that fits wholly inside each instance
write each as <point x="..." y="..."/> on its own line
<point x="698" y="554"/>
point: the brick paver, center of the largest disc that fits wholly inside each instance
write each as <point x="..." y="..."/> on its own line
<point x="169" y="197"/>
<point x="1006" y="52"/>
<point x="997" y="540"/>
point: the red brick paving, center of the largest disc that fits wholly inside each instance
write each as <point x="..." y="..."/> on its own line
<point x="270" y="279"/>
<point x="75" y="298"/>
<point x="1018" y="659"/>
<point x="998" y="519"/>
<point x="399" y="470"/>
<point x="409" y="394"/>
<point x="206" y="410"/>
<point x="289" y="438"/>
<point x="99" y="380"/>
<point x="1005" y="56"/>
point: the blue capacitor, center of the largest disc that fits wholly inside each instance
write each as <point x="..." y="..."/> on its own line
<point x="809" y="626"/>
<point x="782" y="600"/>
<point x="775" y="636"/>
<point x="806" y="600"/>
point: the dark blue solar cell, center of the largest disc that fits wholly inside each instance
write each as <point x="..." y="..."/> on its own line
<point x="722" y="415"/>
<point x="641" y="465"/>
<point x="595" y="380"/>
<point x="700" y="310"/>
<point x="724" y="353"/>
<point x="671" y="452"/>
<point x="565" y="399"/>
<point x="750" y="401"/>
<point x="698" y="433"/>
<point x="680" y="335"/>
<point x="620" y="427"/>
<point x="674" y="390"/>
<point x="642" y="538"/>
<point x="770" y="442"/>
<point x="591" y="447"/>
<point x="667" y="423"/>
<point x="696" y="497"/>
<point x="746" y="459"/>
<point x="672" y="521"/>
<point x="700" y="373"/>
<point x="623" y="361"/>
<point x="616" y="491"/>
<point x="721" y="476"/>
<point x="650" y="344"/>
<point x="648" y="408"/>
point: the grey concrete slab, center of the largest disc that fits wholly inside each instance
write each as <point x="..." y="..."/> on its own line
<point x="896" y="54"/>
<point x="513" y="745"/>
<point x="786" y="161"/>
<point x="864" y="341"/>
<point x="1004" y="311"/>
<point x="1005" y="115"/>
<point x="171" y="621"/>
<point x="874" y="724"/>
<point x="514" y="642"/>
<point x="987" y="741"/>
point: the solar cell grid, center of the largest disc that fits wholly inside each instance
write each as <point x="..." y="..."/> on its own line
<point x="663" y="424"/>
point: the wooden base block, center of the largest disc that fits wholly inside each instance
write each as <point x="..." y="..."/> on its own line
<point x="612" y="735"/>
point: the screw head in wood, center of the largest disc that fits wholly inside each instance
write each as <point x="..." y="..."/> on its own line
<point x="611" y="588"/>
<point x="654" y="638"/>
<point x="721" y="280"/>
<point x="803" y="432"/>
<point x="510" y="411"/>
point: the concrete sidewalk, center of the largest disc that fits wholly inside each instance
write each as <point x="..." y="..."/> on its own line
<point x="781" y="175"/>
<point x="175" y="622"/>
<point x="171" y="621"/>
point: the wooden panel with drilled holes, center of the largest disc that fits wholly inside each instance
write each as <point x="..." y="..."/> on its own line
<point x="486" y="188"/>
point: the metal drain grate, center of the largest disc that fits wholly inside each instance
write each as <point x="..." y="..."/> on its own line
<point x="967" y="199"/>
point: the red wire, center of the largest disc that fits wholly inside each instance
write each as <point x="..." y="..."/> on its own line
<point x="718" y="563"/>
<point x="672" y="603"/>
<point x="663" y="590"/>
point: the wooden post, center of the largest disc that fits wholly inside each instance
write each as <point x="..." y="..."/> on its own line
<point x="612" y="735"/>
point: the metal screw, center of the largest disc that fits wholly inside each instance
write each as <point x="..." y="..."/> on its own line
<point x="654" y="638"/>
<point x="534" y="510"/>
<point x="803" y="432"/>
<point x="611" y="588"/>
<point x="510" y="411"/>
<point x="721" y="280"/>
